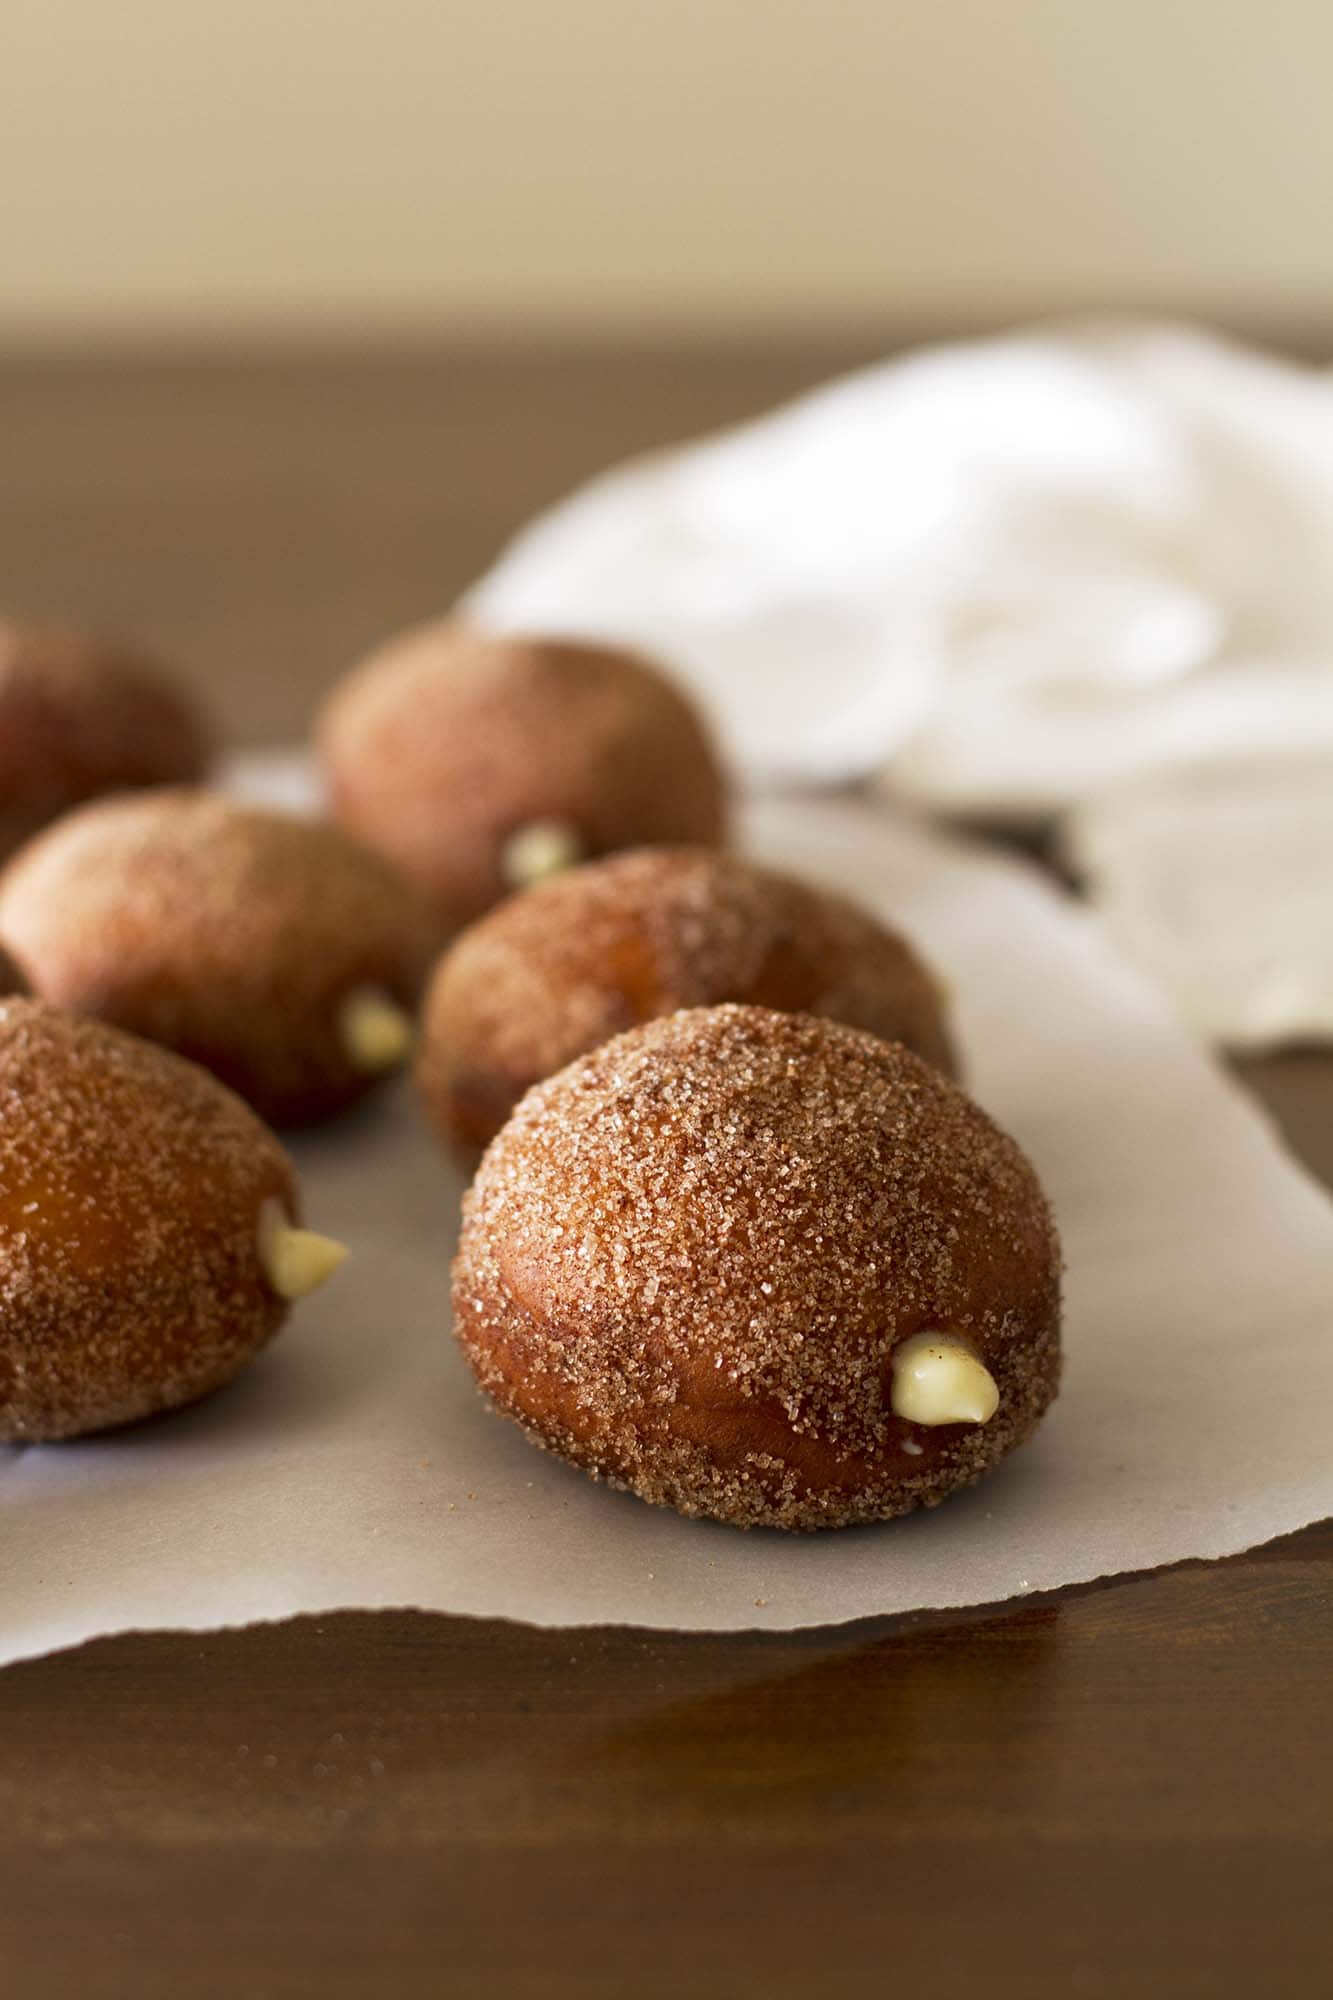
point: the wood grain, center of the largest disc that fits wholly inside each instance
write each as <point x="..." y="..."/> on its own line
<point x="1120" y="1789"/>
<point x="1124" y="1789"/>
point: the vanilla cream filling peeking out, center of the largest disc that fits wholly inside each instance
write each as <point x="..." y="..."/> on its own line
<point x="937" y="1379"/>
<point x="375" y="1032"/>
<point x="295" y="1261"/>
<point x="540" y="848"/>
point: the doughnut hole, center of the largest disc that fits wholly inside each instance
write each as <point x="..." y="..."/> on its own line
<point x="80" y="716"/>
<point x="565" y="966"/>
<point x="688" y="1259"/>
<point x="451" y="752"/>
<point x="132" y="1185"/>
<point x="237" y="937"/>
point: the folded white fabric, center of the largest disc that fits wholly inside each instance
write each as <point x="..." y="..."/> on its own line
<point x="1219" y="879"/>
<point x="1009" y="574"/>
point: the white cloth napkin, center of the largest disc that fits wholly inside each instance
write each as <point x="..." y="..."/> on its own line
<point x="1008" y="575"/>
<point x="1218" y="879"/>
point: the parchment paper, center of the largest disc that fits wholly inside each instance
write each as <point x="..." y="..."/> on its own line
<point x="354" y="1464"/>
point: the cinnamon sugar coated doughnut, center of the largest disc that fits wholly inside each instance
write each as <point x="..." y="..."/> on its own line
<point x="698" y="1262"/>
<point x="140" y="1208"/>
<point x="481" y="764"/>
<point x="80" y="716"/>
<point x="566" y="965"/>
<point x="279" y="954"/>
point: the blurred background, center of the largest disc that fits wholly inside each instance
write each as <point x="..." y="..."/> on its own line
<point x="515" y="170"/>
<point x="304" y="308"/>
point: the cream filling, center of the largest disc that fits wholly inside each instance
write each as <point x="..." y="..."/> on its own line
<point x="937" y="1379"/>
<point x="374" y="1031"/>
<point x="543" y="847"/>
<point x="296" y="1261"/>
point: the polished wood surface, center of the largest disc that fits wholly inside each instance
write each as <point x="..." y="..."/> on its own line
<point x="1122" y="1789"/>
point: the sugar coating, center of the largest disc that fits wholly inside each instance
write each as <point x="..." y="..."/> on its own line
<point x="446" y="742"/>
<point x="687" y="1259"/>
<point x="131" y="1190"/>
<point x="575" y="960"/>
<point x="80" y="716"/>
<point x="233" y="935"/>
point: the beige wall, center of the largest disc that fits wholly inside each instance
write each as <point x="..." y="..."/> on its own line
<point x="530" y="165"/>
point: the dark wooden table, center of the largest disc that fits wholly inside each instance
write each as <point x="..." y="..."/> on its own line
<point x="1118" y="1790"/>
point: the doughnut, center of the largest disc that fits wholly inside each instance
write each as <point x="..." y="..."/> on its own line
<point x="482" y="764"/>
<point x="277" y="953"/>
<point x="569" y="963"/>
<point x="761" y="1267"/>
<point x="80" y="716"/>
<point x="149" y="1238"/>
